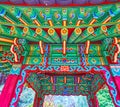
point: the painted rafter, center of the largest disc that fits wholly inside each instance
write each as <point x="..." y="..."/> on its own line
<point x="47" y="14"/>
<point x="78" y="18"/>
<point x="26" y="33"/>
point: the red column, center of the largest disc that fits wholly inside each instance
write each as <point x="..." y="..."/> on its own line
<point x="13" y="87"/>
<point x="111" y="76"/>
<point x="93" y="101"/>
<point x="37" y="101"/>
<point x="115" y="71"/>
<point x="8" y="90"/>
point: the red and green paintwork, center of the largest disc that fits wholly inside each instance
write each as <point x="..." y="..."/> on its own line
<point x="21" y="29"/>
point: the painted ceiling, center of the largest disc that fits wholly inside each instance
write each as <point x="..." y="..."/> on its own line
<point x="26" y="26"/>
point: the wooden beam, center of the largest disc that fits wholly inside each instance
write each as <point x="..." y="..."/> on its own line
<point x="6" y="40"/>
<point x="52" y="80"/>
<point x="65" y="79"/>
<point x="22" y="21"/>
<point x="9" y="20"/>
<point x="78" y="22"/>
<point x="115" y="42"/>
<point x="78" y="80"/>
<point x="50" y="22"/>
<point x="64" y="47"/>
<point x="64" y="23"/>
<point x="87" y="47"/>
<point x="36" y="22"/>
<point x="107" y="20"/>
<point x="41" y="47"/>
<point x="92" y="21"/>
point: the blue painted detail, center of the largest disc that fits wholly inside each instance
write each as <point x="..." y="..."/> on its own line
<point x="49" y="17"/>
<point x="34" y="16"/>
<point x="95" y="15"/>
<point x="80" y="17"/>
<point x="17" y="90"/>
<point x="82" y="48"/>
<point x="81" y="69"/>
<point x="15" y="69"/>
<point x="2" y="12"/>
<point x="19" y="14"/>
<point x="111" y="84"/>
<point x="44" y="15"/>
<point x="115" y="69"/>
<point x="111" y="13"/>
<point x="59" y="17"/>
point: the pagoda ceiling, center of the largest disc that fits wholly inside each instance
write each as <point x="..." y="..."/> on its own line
<point x="53" y="25"/>
<point x="65" y="84"/>
<point x="24" y="29"/>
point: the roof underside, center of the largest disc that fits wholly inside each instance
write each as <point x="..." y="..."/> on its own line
<point x="53" y="25"/>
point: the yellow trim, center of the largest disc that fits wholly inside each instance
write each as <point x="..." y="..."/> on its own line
<point x="64" y="23"/>
<point x="36" y="22"/>
<point x="92" y="21"/>
<point x="9" y="20"/>
<point x="78" y="22"/>
<point x="6" y="40"/>
<point x="102" y="61"/>
<point x="28" y="59"/>
<point x="86" y="59"/>
<point x="1" y="48"/>
<point x="50" y="22"/>
<point x="99" y="53"/>
<point x="31" y="49"/>
<point x="118" y="21"/>
<point x="64" y="47"/>
<point x="106" y="20"/>
<point x="22" y="21"/>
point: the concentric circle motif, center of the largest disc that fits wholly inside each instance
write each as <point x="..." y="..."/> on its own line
<point x="118" y="27"/>
<point x="25" y="30"/>
<point x="104" y="28"/>
<point x="51" y="31"/>
<point x="64" y="31"/>
<point x="38" y="30"/>
<point x="12" y="28"/>
<point x="90" y="30"/>
<point x="36" y="60"/>
<point x="78" y="31"/>
<point x="93" y="61"/>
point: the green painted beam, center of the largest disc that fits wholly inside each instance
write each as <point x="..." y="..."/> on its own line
<point x="5" y="44"/>
<point x="25" y="33"/>
<point x="53" y="34"/>
<point x="87" y="32"/>
<point x="76" y="33"/>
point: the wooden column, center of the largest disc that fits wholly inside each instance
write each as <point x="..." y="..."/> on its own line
<point x="13" y="87"/>
<point x="93" y="101"/>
